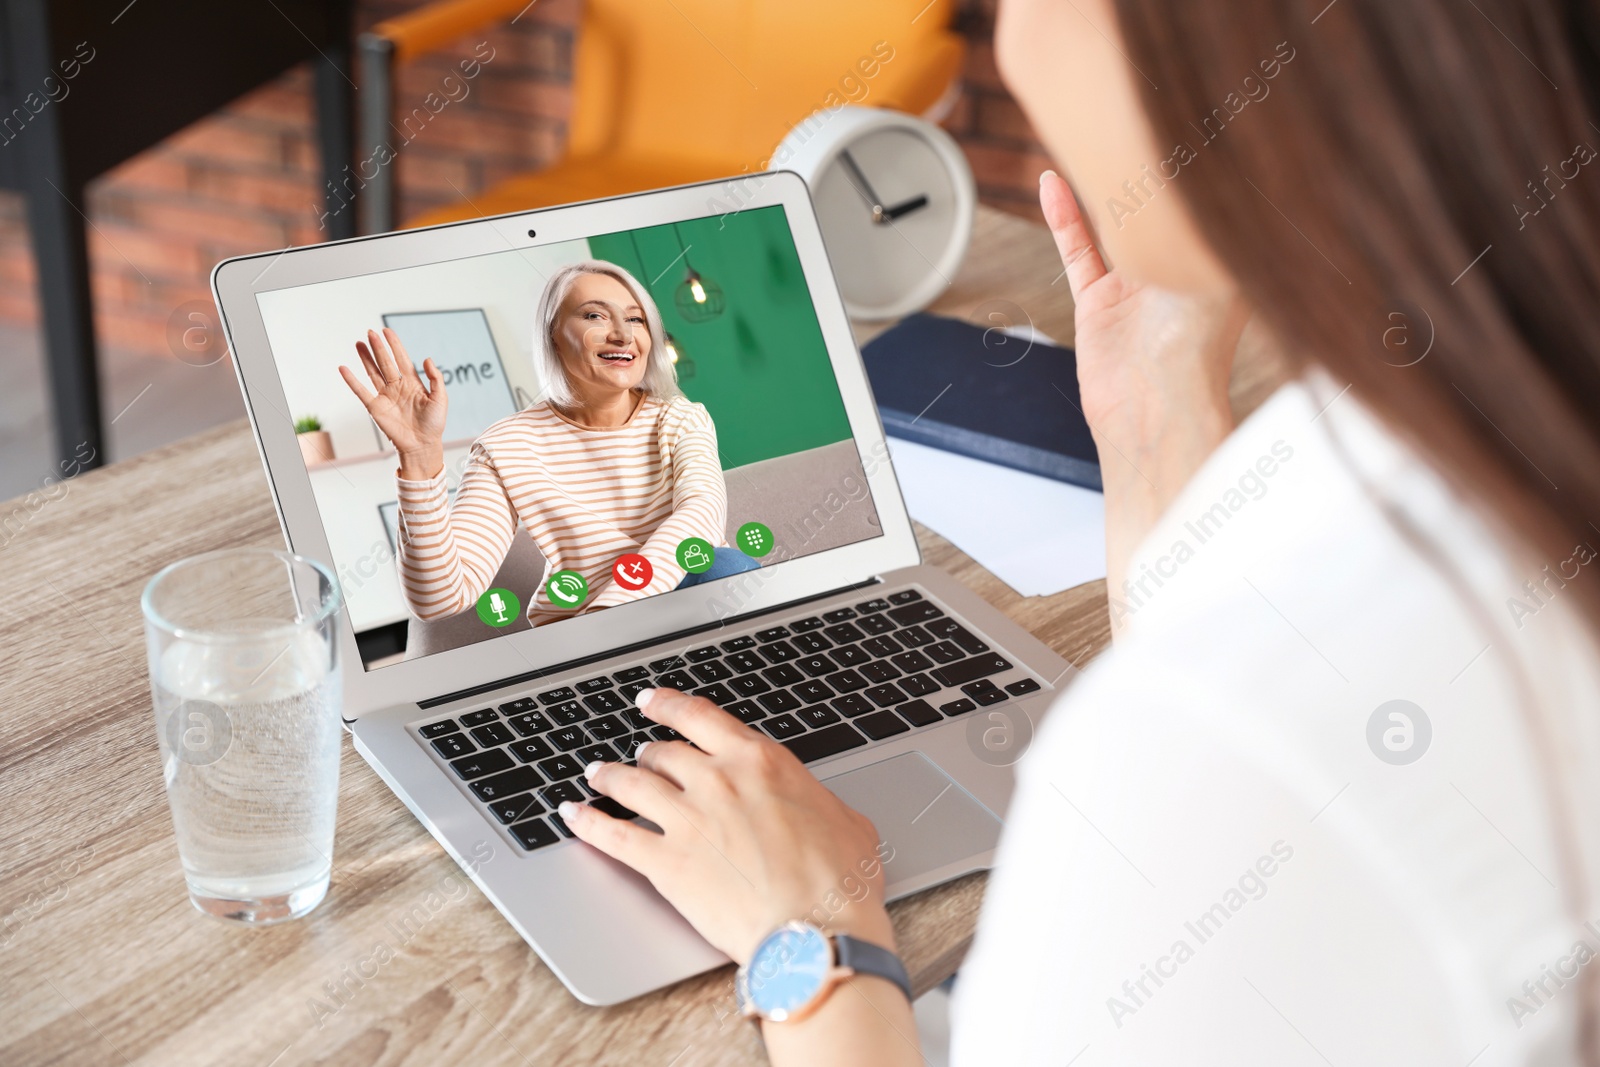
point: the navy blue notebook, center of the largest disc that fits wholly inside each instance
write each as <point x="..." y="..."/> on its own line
<point x="985" y="394"/>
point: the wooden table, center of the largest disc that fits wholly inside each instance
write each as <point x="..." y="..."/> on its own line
<point x="104" y="961"/>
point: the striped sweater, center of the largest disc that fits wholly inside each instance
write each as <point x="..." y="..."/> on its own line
<point x="586" y="496"/>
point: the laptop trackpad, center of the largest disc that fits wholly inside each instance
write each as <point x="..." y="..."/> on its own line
<point x="920" y="812"/>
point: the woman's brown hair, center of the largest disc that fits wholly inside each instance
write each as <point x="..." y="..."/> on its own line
<point x="1426" y="171"/>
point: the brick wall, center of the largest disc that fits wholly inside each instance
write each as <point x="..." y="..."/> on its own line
<point x="246" y="179"/>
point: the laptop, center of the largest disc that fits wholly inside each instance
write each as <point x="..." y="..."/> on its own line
<point x="906" y="694"/>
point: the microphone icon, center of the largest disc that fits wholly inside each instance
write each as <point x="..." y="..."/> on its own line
<point x="498" y="606"/>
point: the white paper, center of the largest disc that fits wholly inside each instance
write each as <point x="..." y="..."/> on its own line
<point x="1037" y="535"/>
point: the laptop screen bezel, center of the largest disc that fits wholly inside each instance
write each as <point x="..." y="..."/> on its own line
<point x="235" y="283"/>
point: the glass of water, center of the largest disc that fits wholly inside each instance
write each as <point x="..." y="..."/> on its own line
<point x="245" y="679"/>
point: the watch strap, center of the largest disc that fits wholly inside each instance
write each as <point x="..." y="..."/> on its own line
<point x="864" y="957"/>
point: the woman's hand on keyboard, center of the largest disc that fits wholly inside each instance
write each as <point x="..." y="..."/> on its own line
<point x="750" y="838"/>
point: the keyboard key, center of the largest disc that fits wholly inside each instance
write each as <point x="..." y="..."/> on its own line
<point x="984" y="692"/>
<point x="553" y="795"/>
<point x="513" y="809"/>
<point x="846" y="681"/>
<point x="679" y="680"/>
<point x="876" y="624"/>
<point x="843" y="634"/>
<point x="783" y="674"/>
<point x="881" y="646"/>
<point x="557" y="696"/>
<point x="885" y="696"/>
<point x="808" y="644"/>
<point x="478" y="718"/>
<point x="783" y="727"/>
<point x="665" y="733"/>
<point x="911" y="662"/>
<point x="531" y="749"/>
<point x="879" y="671"/>
<point x="970" y="670"/>
<point x="820" y="744"/>
<point x="813" y="692"/>
<point x="568" y="738"/>
<point x="635" y="719"/>
<point x="700" y="655"/>
<point x="534" y="834"/>
<point x="871" y="606"/>
<point x="921" y="611"/>
<point x="607" y="728"/>
<point x="958" y="707"/>
<point x="670" y="663"/>
<point x="749" y="685"/>
<point x="558" y="822"/>
<point x="782" y="700"/>
<point x="779" y="652"/>
<point x="839" y="615"/>
<point x="439" y="729"/>
<point x="530" y="723"/>
<point x="629" y="746"/>
<point x="612" y="808"/>
<point x="914" y="637"/>
<point x="918" y="713"/>
<point x="1022" y="687"/>
<point x="506" y="784"/>
<point x="745" y="662"/>
<point x="851" y="656"/>
<point x="738" y="644"/>
<point x="771" y="634"/>
<point x="631" y="674"/>
<point x="603" y="702"/>
<point x="811" y="622"/>
<point x="495" y="733"/>
<point x="452" y="745"/>
<point x="590" y="753"/>
<point x="717" y="693"/>
<point x="480" y="764"/>
<point x="589" y="791"/>
<point x="563" y="766"/>
<point x="852" y="705"/>
<point x="919" y="685"/>
<point x="714" y="671"/>
<point x="594" y="685"/>
<point x="518" y="706"/>
<point x="954" y="631"/>
<point x="817" y="716"/>
<point x="817" y="665"/>
<point x="904" y="596"/>
<point x="882" y="724"/>
<point x="746" y="711"/>
<point x="944" y="652"/>
<point x="567" y="713"/>
<point x="630" y="690"/>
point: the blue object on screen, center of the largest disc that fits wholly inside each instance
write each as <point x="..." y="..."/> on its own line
<point x="983" y="393"/>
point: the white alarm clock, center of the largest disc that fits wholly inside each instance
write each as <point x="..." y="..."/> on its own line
<point x="895" y="200"/>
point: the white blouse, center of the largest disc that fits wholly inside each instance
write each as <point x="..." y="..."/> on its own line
<point x="1331" y="799"/>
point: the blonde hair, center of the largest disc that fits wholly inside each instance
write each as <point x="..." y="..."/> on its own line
<point x="660" y="377"/>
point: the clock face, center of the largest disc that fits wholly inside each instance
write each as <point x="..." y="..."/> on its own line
<point x="879" y="257"/>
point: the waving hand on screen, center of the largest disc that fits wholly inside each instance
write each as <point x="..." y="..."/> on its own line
<point x="409" y="414"/>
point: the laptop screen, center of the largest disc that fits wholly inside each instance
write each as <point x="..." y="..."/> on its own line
<point x="554" y="431"/>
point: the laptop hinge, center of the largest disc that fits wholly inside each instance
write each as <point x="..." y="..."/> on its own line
<point x="612" y="653"/>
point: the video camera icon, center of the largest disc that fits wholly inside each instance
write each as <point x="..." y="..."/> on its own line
<point x="696" y="554"/>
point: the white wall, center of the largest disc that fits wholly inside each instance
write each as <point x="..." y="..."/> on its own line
<point x="314" y="328"/>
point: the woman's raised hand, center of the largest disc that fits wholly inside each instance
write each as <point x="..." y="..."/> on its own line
<point x="410" y="415"/>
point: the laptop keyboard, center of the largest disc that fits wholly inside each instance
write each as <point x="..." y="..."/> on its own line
<point x="820" y="684"/>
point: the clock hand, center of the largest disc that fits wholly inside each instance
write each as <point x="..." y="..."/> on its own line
<point x="905" y="208"/>
<point x="863" y="186"/>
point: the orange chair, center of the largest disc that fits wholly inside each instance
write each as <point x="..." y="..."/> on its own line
<point x="673" y="91"/>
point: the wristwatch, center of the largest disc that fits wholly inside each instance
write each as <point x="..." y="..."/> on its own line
<point x="796" y="966"/>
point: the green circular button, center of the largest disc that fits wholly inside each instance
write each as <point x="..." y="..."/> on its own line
<point x="499" y="607"/>
<point x="567" y="589"/>
<point x="754" y="539"/>
<point x="696" y="554"/>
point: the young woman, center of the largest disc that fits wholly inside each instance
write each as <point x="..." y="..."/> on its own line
<point x="1331" y="796"/>
<point x="614" y="460"/>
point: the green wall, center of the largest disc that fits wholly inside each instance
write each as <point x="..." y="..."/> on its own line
<point x="761" y="367"/>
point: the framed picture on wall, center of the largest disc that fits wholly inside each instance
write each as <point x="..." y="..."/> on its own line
<point x="462" y="347"/>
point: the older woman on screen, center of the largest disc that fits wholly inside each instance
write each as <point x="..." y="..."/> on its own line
<point x="614" y="460"/>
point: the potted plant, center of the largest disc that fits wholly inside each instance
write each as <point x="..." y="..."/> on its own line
<point x="316" y="444"/>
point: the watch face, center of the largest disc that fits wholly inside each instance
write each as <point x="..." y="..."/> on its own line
<point x="788" y="970"/>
